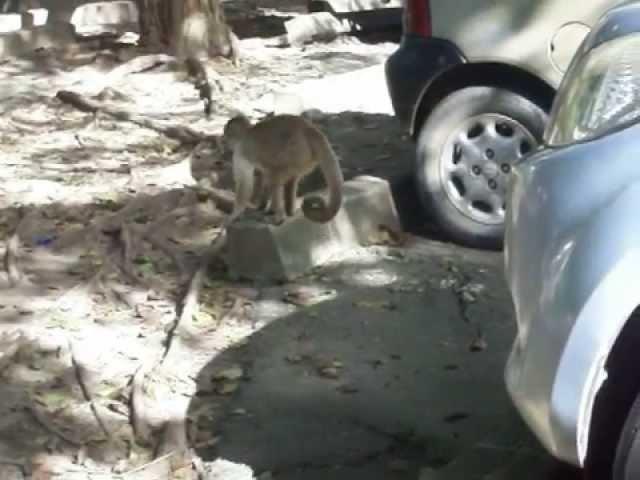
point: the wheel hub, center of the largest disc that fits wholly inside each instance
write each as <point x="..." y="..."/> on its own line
<point x="476" y="161"/>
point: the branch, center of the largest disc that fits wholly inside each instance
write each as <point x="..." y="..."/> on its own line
<point x="180" y="133"/>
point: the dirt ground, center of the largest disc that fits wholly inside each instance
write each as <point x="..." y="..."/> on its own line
<point x="377" y="366"/>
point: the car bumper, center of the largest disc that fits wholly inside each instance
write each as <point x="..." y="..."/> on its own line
<point x="571" y="249"/>
<point x="415" y="63"/>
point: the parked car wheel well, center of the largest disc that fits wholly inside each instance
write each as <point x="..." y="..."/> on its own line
<point x="490" y="74"/>
<point x="614" y="400"/>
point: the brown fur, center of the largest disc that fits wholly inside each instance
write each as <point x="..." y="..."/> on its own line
<point x="284" y="149"/>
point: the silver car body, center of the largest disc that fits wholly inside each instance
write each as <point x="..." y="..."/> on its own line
<point x="540" y="36"/>
<point x="572" y="256"/>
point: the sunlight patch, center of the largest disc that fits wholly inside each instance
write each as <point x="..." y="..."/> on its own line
<point x="372" y="277"/>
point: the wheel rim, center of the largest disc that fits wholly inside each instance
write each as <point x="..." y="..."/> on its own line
<point x="476" y="162"/>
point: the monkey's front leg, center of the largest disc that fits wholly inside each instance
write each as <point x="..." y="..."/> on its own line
<point x="277" y="203"/>
<point x="291" y="196"/>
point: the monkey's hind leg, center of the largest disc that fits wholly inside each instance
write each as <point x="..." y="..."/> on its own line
<point x="262" y="194"/>
<point x="243" y="177"/>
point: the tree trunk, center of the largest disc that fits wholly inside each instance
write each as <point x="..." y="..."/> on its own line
<point x="186" y="28"/>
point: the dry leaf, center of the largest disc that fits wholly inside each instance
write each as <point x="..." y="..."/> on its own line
<point x="329" y="372"/>
<point x="226" y="388"/>
<point x="232" y="373"/>
<point x="376" y="304"/>
<point x="479" y="344"/>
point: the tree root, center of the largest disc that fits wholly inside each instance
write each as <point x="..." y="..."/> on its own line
<point x="44" y="422"/>
<point x="11" y="258"/>
<point x="78" y="370"/>
<point x="139" y="419"/>
<point x="184" y="135"/>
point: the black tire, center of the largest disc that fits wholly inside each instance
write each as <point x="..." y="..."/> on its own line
<point x="451" y="114"/>
<point x="626" y="465"/>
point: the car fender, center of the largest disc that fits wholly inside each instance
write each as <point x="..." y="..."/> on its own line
<point x="480" y="74"/>
<point x="603" y="262"/>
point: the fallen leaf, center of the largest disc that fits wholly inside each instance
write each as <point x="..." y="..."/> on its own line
<point x="456" y="417"/>
<point x="479" y="344"/>
<point x="293" y="358"/>
<point x="468" y="297"/>
<point x="232" y="373"/>
<point x="348" y="389"/>
<point x="329" y="372"/>
<point x="226" y="388"/>
<point x="303" y="296"/>
<point x="376" y="304"/>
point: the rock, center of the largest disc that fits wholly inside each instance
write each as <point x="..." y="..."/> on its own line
<point x="314" y="26"/>
<point x="225" y="470"/>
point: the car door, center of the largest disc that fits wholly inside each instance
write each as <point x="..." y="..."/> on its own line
<point x="540" y="36"/>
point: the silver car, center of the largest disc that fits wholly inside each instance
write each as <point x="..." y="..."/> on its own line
<point x="572" y="259"/>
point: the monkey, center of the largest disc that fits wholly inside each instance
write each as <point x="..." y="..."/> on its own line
<point x="283" y="149"/>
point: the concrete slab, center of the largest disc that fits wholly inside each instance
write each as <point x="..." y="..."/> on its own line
<point x="262" y="251"/>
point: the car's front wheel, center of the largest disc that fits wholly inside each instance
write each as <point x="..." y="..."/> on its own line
<point x="465" y="152"/>
<point x="627" y="460"/>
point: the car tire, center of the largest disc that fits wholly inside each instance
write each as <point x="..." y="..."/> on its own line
<point x="626" y="465"/>
<point x="465" y="151"/>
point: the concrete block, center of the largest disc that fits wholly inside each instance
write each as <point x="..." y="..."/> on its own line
<point x="261" y="251"/>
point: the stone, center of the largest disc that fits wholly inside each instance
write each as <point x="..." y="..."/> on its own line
<point x="262" y="251"/>
<point x="314" y="26"/>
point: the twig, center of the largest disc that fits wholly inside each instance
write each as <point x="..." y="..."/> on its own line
<point x="11" y="256"/>
<point x="181" y="133"/>
<point x="78" y="368"/>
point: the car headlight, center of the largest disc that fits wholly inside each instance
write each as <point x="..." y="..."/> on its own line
<point x="600" y="94"/>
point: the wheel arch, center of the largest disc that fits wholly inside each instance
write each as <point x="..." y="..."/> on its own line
<point x="491" y="74"/>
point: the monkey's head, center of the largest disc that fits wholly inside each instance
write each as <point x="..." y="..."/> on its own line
<point x="235" y="130"/>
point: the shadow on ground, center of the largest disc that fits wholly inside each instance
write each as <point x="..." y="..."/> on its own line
<point x="381" y="377"/>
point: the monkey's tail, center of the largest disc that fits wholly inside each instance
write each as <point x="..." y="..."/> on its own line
<point x="315" y="207"/>
<point x="198" y="73"/>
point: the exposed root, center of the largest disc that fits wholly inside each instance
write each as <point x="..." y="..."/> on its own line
<point x="223" y="199"/>
<point x="78" y="370"/>
<point x="139" y="418"/>
<point x="183" y="134"/>
<point x="44" y="422"/>
<point x="187" y="306"/>
<point x="11" y="259"/>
